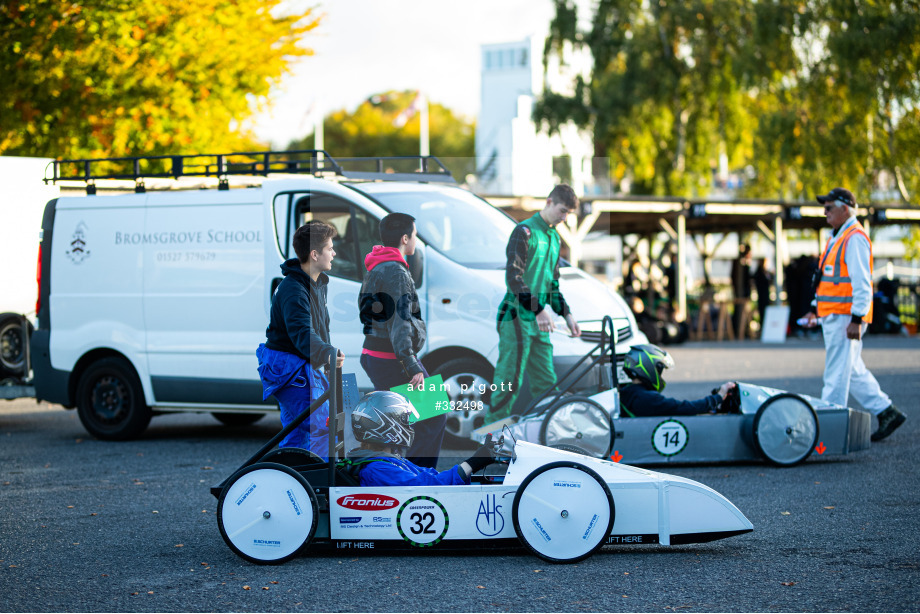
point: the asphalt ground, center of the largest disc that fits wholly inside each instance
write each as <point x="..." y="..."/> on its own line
<point x="94" y="526"/>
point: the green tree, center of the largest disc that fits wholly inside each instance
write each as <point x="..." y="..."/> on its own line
<point x="669" y="90"/>
<point x="846" y="111"/>
<point x="809" y="93"/>
<point x="118" y="78"/>
<point x="382" y="126"/>
<point x="912" y="244"/>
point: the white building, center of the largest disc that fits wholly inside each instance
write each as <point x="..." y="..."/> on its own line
<point x="513" y="158"/>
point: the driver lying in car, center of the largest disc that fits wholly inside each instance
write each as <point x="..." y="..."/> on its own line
<point x="645" y="364"/>
<point x="380" y="422"/>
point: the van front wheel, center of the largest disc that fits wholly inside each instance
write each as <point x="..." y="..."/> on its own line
<point x="467" y="381"/>
<point x="110" y="401"/>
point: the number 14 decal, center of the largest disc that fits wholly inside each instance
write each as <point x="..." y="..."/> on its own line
<point x="670" y="437"/>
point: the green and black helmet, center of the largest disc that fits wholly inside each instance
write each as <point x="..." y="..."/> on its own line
<point x="646" y="363"/>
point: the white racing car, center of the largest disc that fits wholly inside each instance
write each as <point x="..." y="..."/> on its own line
<point x="562" y="506"/>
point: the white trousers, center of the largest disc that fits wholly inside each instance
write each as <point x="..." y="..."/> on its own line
<point x="844" y="370"/>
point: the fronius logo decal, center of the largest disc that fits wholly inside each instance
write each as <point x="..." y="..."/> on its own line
<point x="367" y="502"/>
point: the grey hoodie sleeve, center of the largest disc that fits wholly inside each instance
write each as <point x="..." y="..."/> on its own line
<point x="400" y="326"/>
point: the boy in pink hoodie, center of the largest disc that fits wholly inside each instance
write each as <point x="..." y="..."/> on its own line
<point x="394" y="332"/>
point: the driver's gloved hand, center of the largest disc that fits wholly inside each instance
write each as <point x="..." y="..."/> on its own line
<point x="728" y="403"/>
<point x="483" y="457"/>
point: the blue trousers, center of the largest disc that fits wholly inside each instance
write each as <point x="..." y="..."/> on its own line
<point x="386" y="373"/>
<point x="313" y="433"/>
<point x="295" y="384"/>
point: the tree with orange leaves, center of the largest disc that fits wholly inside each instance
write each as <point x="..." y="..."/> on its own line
<point x="121" y="78"/>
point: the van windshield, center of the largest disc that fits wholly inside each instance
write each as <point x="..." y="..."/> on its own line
<point x="454" y="221"/>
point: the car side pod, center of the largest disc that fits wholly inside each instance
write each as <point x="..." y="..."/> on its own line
<point x="651" y="507"/>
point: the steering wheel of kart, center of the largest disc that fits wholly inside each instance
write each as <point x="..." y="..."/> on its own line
<point x="496" y="450"/>
<point x="499" y="454"/>
<point x="731" y="404"/>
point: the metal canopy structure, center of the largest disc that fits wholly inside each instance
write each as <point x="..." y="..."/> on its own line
<point x="677" y="217"/>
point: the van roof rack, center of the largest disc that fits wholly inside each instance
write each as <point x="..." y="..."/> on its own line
<point x="260" y="163"/>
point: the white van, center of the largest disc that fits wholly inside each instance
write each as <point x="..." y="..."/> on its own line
<point x="156" y="301"/>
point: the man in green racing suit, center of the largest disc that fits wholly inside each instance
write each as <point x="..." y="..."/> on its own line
<point x="524" y="318"/>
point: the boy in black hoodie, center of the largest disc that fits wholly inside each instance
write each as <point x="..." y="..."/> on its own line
<point x="394" y="332"/>
<point x="297" y="339"/>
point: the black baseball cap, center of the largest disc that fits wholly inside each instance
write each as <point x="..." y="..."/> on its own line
<point x="841" y="194"/>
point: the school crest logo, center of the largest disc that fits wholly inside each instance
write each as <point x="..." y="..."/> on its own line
<point x="78" y="251"/>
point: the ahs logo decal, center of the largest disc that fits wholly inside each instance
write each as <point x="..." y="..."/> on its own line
<point x="489" y="519"/>
<point x="78" y="252"/>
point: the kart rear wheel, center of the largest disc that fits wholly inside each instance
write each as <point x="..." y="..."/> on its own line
<point x="785" y="430"/>
<point x="563" y="512"/>
<point x="267" y="513"/>
<point x="578" y="421"/>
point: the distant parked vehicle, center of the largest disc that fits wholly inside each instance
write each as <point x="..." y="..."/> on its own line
<point x="24" y="197"/>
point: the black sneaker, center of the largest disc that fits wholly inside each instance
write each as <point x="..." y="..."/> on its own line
<point x="888" y="421"/>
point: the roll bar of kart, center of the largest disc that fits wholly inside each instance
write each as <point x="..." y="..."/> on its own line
<point x="336" y="413"/>
<point x="607" y="347"/>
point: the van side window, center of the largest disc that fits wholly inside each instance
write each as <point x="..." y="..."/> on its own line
<point x="357" y="231"/>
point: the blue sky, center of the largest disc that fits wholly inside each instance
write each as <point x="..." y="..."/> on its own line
<point x="363" y="47"/>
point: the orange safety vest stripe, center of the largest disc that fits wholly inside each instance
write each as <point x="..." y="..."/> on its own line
<point x="835" y="291"/>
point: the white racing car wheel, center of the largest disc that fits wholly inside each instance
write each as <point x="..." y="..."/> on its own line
<point x="578" y="421"/>
<point x="267" y="512"/>
<point x="563" y="512"/>
<point x="785" y="430"/>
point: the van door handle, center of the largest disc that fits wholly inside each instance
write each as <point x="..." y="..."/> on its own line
<point x="275" y="282"/>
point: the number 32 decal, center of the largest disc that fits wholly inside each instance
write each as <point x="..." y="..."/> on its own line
<point x="422" y="521"/>
<point x="419" y="527"/>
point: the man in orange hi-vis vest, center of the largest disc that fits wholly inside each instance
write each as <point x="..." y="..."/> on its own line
<point x="843" y="298"/>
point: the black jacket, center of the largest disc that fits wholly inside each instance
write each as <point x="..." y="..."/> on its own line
<point x="640" y="401"/>
<point x="391" y="315"/>
<point x="299" y="318"/>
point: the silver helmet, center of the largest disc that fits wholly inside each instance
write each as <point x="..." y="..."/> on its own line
<point x="383" y="417"/>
